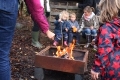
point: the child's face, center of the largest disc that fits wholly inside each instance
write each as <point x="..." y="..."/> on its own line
<point x="87" y="13"/>
<point x="72" y="17"/>
<point x="64" y="18"/>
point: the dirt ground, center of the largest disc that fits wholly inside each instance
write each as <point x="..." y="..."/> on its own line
<point x="22" y="55"/>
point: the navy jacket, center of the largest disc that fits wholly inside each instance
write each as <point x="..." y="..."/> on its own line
<point x="9" y="5"/>
<point x="75" y="23"/>
<point x="58" y="25"/>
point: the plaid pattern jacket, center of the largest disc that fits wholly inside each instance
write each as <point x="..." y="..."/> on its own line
<point x="107" y="58"/>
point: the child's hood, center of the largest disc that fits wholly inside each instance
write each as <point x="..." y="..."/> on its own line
<point x="116" y="22"/>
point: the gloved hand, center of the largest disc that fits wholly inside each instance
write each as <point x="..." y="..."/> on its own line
<point x="57" y="17"/>
<point x="47" y="14"/>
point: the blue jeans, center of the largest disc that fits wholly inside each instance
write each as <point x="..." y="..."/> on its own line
<point x="88" y="31"/>
<point x="7" y="26"/>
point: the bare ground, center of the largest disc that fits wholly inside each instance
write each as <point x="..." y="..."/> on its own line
<point x="22" y="55"/>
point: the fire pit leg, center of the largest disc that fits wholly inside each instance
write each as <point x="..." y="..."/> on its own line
<point x="78" y="77"/>
<point x="39" y="73"/>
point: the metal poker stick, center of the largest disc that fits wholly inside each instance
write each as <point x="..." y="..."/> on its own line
<point x="61" y="28"/>
<point x="61" y="32"/>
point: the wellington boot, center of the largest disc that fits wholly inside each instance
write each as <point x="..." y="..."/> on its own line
<point x="35" y="37"/>
<point x="88" y="39"/>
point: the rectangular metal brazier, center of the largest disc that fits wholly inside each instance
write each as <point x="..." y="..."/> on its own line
<point x="46" y="59"/>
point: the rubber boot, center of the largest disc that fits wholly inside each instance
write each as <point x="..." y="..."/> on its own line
<point x="78" y="77"/>
<point x="93" y="37"/>
<point x="94" y="46"/>
<point x="88" y="38"/>
<point x="39" y="73"/>
<point x="35" y="37"/>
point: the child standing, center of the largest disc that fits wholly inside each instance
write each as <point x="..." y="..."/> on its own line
<point x="89" y="23"/>
<point x="107" y="58"/>
<point x="61" y="28"/>
<point x="73" y="30"/>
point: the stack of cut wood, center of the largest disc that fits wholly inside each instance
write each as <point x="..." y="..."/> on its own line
<point x="59" y="5"/>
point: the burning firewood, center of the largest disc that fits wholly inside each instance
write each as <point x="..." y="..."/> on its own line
<point x="68" y="51"/>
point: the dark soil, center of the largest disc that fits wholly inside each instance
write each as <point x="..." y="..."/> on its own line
<point x="22" y="55"/>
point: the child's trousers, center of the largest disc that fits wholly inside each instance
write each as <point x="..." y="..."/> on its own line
<point x="59" y="36"/>
<point x="71" y="35"/>
<point x="88" y="31"/>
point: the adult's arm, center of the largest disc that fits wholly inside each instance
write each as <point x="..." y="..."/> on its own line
<point x="37" y="13"/>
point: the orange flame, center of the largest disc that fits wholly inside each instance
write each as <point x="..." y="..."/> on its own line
<point x="70" y="50"/>
<point x="67" y="50"/>
<point x="60" y="52"/>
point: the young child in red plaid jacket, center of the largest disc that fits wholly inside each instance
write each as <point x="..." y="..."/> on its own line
<point x="107" y="58"/>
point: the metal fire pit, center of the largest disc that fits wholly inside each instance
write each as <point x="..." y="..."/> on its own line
<point x="46" y="59"/>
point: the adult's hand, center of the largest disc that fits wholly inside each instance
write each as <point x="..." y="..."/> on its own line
<point x="91" y="27"/>
<point x="50" y="35"/>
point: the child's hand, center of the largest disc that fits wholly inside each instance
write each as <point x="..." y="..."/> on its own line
<point x="94" y="75"/>
<point x="66" y="29"/>
<point x="91" y="27"/>
<point x="73" y="26"/>
<point x="59" y="20"/>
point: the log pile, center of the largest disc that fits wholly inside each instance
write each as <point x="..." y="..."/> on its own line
<point x="59" y="5"/>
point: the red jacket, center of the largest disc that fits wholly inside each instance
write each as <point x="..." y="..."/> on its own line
<point x="107" y="59"/>
<point x="37" y="13"/>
